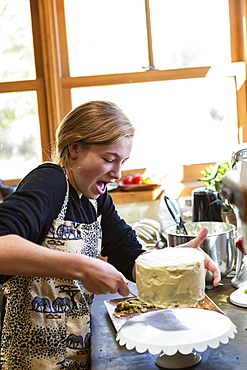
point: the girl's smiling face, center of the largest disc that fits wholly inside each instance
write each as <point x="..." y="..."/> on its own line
<point x="90" y="171"/>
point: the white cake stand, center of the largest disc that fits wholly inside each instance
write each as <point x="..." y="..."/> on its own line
<point x="176" y="333"/>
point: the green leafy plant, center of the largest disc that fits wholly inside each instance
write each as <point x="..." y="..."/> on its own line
<point x="212" y="178"/>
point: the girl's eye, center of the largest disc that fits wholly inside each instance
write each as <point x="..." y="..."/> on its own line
<point x="124" y="162"/>
<point x="108" y="160"/>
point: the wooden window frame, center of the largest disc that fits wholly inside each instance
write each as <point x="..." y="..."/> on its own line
<point x="53" y="83"/>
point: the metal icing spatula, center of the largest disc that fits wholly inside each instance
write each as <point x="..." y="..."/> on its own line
<point x="175" y="214"/>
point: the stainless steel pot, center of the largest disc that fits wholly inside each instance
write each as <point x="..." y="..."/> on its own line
<point x="219" y="244"/>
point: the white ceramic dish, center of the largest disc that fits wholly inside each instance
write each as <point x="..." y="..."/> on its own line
<point x="239" y="297"/>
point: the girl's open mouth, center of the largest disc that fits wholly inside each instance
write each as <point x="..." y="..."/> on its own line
<point x="101" y="187"/>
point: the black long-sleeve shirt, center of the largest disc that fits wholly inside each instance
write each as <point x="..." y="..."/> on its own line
<point x="30" y="210"/>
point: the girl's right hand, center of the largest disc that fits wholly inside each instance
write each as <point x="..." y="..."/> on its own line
<point x="101" y="277"/>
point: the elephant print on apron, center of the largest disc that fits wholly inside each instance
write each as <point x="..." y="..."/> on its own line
<point x="47" y="320"/>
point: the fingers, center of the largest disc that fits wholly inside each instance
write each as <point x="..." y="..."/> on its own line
<point x="119" y="286"/>
<point x="124" y="290"/>
<point x="194" y="243"/>
<point x="210" y="265"/>
<point x="217" y="276"/>
<point x="208" y="262"/>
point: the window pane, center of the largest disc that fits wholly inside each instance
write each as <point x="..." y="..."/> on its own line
<point x="106" y="36"/>
<point x="177" y="122"/>
<point x="20" y="145"/>
<point x="191" y="33"/>
<point x="16" y="43"/>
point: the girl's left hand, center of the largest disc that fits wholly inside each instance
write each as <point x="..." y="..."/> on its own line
<point x="209" y="264"/>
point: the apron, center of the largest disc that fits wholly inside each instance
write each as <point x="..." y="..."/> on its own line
<point x="47" y="320"/>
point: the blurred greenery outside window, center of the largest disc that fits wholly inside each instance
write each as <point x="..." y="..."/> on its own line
<point x="20" y="145"/>
<point x="180" y="121"/>
<point x="20" y="149"/>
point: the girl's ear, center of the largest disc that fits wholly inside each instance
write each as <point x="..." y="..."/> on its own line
<point x="73" y="150"/>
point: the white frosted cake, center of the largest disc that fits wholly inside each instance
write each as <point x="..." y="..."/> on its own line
<point x="171" y="277"/>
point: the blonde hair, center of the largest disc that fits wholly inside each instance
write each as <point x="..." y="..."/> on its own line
<point x="95" y="122"/>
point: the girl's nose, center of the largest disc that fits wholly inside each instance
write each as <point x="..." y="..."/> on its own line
<point x="116" y="172"/>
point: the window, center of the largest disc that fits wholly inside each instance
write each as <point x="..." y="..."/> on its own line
<point x="16" y="43"/>
<point x="180" y="121"/>
<point x="106" y="37"/>
<point x="20" y="145"/>
<point x="190" y="33"/>
<point x="20" y="134"/>
<point x="168" y="132"/>
<point x="176" y="68"/>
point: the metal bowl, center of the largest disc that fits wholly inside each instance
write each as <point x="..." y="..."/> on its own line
<point x="219" y="244"/>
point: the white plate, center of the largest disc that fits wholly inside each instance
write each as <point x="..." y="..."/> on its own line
<point x="239" y="297"/>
